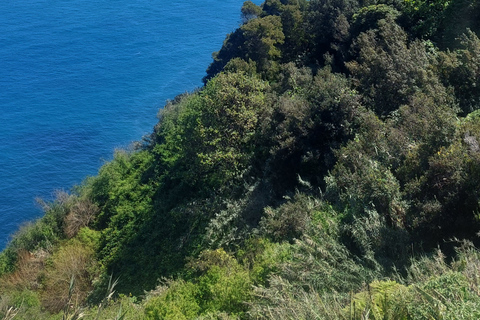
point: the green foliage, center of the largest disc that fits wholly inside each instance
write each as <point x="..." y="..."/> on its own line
<point x="438" y="291"/>
<point x="262" y="38"/>
<point x="378" y="243"/>
<point x="445" y="194"/>
<point x="318" y="258"/>
<point x="221" y="286"/>
<point x="40" y="235"/>
<point x="209" y="139"/>
<point x="440" y="20"/>
<point x="447" y="296"/>
<point x="285" y="301"/>
<point x="125" y="193"/>
<point x="90" y="238"/>
<point x="43" y="233"/>
<point x="238" y="65"/>
<point x="328" y="24"/>
<point x="68" y="277"/>
<point x="425" y="17"/>
<point x="203" y="142"/>
<point x="361" y="181"/>
<point x="230" y="50"/>
<point x="389" y="69"/>
<point x="370" y="17"/>
<point x="264" y="258"/>
<point x="25" y="298"/>
<point x="292" y="15"/>
<point x="22" y="305"/>
<point x="257" y="40"/>
<point x="459" y="17"/>
<point x="178" y="302"/>
<point x="224" y="285"/>
<point x="123" y="305"/>
<point x="461" y="70"/>
<point x="324" y="106"/>
<point x="8" y="257"/>
<point x="289" y="220"/>
<point x="363" y="184"/>
<point x="250" y="11"/>
<point x="327" y="148"/>
<point x="424" y="126"/>
<point x="122" y="185"/>
<point x="382" y="300"/>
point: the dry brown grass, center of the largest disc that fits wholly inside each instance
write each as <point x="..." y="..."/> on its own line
<point x="27" y="273"/>
<point x="80" y="215"/>
<point x="72" y="260"/>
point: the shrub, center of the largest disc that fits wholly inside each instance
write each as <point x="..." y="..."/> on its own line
<point x="361" y="183"/>
<point x="223" y="284"/>
<point x="82" y="214"/>
<point x="325" y="107"/>
<point x="25" y="298"/>
<point x="381" y="300"/>
<point x="75" y="262"/>
<point x="218" y="286"/>
<point x="264" y="258"/>
<point x="27" y="272"/>
<point x="289" y="221"/>
<point x="177" y="301"/>
<point x="122" y="306"/>
<point x="38" y="236"/>
<point x="444" y="198"/>
<point x="321" y="261"/>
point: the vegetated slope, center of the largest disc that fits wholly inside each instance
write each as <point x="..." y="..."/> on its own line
<point x="329" y="168"/>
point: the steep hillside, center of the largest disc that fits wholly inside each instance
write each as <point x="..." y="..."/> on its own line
<point x="328" y="169"/>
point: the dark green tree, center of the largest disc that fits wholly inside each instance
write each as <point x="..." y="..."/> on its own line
<point x="461" y="71"/>
<point x="389" y="69"/>
<point x="250" y="11"/>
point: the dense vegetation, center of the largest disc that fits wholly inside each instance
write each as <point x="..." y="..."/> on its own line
<point x="328" y="169"/>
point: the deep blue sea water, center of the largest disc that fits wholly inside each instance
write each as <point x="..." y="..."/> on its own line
<point x="79" y="78"/>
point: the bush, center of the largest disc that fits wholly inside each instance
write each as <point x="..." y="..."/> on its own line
<point x="22" y="305"/>
<point x="318" y="259"/>
<point x="219" y="286"/>
<point x="283" y="300"/>
<point x="444" y="199"/>
<point x="75" y="262"/>
<point x="264" y="258"/>
<point x="223" y="284"/>
<point x="361" y="183"/>
<point x="39" y="236"/>
<point x="381" y="300"/>
<point x="178" y="301"/>
<point x="27" y="274"/>
<point x="82" y="213"/>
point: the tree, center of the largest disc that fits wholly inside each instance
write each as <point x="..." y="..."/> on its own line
<point x="461" y="70"/>
<point x="263" y="36"/>
<point x="389" y="69"/>
<point x="250" y="11"/>
<point x="328" y="25"/>
<point x="209" y="136"/>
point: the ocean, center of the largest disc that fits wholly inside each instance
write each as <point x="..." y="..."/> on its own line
<point x="80" y="78"/>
